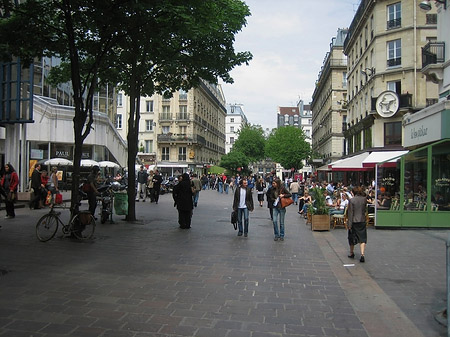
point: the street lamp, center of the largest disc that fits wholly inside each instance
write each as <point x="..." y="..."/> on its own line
<point x="426" y="5"/>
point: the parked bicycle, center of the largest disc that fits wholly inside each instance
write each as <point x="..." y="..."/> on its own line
<point x="81" y="226"/>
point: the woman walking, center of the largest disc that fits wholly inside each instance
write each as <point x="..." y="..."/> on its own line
<point x="182" y="195"/>
<point x="278" y="192"/>
<point x="357" y="232"/>
<point x="260" y="187"/>
<point x="9" y="183"/>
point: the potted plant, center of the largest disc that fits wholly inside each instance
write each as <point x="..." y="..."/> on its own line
<point x="320" y="217"/>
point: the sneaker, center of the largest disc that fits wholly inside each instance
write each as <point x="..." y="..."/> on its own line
<point x="240" y="234"/>
<point x="275" y="239"/>
<point x="281" y="239"/>
<point x="245" y="234"/>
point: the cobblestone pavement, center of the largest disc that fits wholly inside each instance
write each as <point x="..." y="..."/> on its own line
<point x="150" y="278"/>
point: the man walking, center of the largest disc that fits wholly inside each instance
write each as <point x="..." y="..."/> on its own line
<point x="196" y="188"/>
<point x="37" y="186"/>
<point x="157" y="180"/>
<point x="243" y="204"/>
<point x="142" y="184"/>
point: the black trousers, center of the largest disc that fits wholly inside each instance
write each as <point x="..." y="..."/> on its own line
<point x="37" y="196"/>
<point x="9" y="206"/>
<point x="184" y="218"/>
<point x="92" y="200"/>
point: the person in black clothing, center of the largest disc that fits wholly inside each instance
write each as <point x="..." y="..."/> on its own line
<point x="182" y="195"/>
<point x="142" y="177"/>
<point x="37" y="186"/>
<point x="157" y="180"/>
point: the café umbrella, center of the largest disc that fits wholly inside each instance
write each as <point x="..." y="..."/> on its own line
<point x="88" y="163"/>
<point x="58" y="162"/>
<point x="108" y="164"/>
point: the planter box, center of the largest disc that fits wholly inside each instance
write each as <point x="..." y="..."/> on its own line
<point x="320" y="222"/>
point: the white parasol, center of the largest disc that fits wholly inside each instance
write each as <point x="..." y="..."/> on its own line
<point x="88" y="162"/>
<point x="58" y="162"/>
<point x="108" y="164"/>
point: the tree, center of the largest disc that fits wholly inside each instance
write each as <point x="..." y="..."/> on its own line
<point x="287" y="146"/>
<point x="80" y="33"/>
<point x="169" y="45"/>
<point x="251" y="142"/>
<point x="234" y="160"/>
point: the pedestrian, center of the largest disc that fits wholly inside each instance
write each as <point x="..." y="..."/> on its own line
<point x="53" y="181"/>
<point x="279" y="191"/>
<point x="204" y="182"/>
<point x="183" y="200"/>
<point x="150" y="185"/>
<point x="157" y="180"/>
<point x="45" y="182"/>
<point x="356" y="213"/>
<point x="3" y="194"/>
<point x="226" y="184"/>
<point x="92" y="191"/>
<point x="36" y="185"/>
<point x="142" y="184"/>
<point x="294" y="188"/>
<point x="243" y="204"/>
<point x="9" y="183"/>
<point x="260" y="189"/>
<point x="270" y="201"/>
<point x="197" y="187"/>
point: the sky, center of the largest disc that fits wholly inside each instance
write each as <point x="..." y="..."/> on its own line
<point x="289" y="40"/>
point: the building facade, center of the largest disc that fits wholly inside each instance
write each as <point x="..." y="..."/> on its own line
<point x="234" y="121"/>
<point x="182" y="133"/>
<point x="329" y="103"/>
<point x="383" y="46"/>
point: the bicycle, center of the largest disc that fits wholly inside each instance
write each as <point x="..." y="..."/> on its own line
<point x="82" y="225"/>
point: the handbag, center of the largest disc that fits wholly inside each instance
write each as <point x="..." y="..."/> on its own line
<point x="285" y="202"/>
<point x="58" y="198"/>
<point x="234" y="219"/>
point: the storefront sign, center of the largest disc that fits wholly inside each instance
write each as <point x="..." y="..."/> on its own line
<point x="36" y="154"/>
<point x="442" y="182"/>
<point x="423" y="131"/>
<point x="387" y="104"/>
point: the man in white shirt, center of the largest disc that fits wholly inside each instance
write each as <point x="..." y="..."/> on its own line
<point x="243" y="204"/>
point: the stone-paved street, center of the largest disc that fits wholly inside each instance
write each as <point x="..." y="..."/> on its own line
<point x="151" y="278"/>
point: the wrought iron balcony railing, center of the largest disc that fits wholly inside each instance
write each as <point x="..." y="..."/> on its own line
<point x="433" y="52"/>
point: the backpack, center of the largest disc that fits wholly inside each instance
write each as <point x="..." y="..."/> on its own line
<point x="86" y="188"/>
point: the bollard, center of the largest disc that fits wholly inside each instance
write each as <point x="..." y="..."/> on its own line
<point x="448" y="284"/>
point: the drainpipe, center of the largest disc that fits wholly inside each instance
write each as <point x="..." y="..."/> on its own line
<point x="415" y="56"/>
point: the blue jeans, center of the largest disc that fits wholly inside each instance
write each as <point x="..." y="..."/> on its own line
<point x="225" y="187"/>
<point x="278" y="212"/>
<point x="220" y="187"/>
<point x="195" y="198"/>
<point x="243" y="212"/>
<point x="295" y="197"/>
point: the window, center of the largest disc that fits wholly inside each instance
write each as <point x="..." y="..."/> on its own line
<point x="344" y="79"/>
<point x="149" y="125"/>
<point x="119" y="121"/>
<point x="231" y="120"/>
<point x="394" y="53"/>
<point x="182" y="94"/>
<point x="231" y="140"/>
<point x="165" y="153"/>
<point x="149" y="146"/>
<point x="393" y="133"/>
<point x="182" y="153"/>
<point x="395" y="86"/>
<point x="308" y="133"/>
<point x="119" y="99"/>
<point x="394" y="13"/>
<point x="415" y="180"/>
<point x="165" y="130"/>
<point x="231" y="128"/>
<point x="183" y="108"/>
<point x="149" y="106"/>
<point x="166" y="109"/>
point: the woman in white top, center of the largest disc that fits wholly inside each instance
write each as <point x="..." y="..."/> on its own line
<point x="342" y="206"/>
<point x="53" y="181"/>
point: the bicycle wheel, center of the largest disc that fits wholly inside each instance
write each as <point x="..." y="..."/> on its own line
<point x="83" y="225"/>
<point x="46" y="227"/>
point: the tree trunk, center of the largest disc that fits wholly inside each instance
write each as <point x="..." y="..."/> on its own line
<point x="132" y="138"/>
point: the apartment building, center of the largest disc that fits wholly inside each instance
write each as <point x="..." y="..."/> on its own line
<point x="234" y="121"/>
<point x="329" y="102"/>
<point x="383" y="46"/>
<point x="183" y="133"/>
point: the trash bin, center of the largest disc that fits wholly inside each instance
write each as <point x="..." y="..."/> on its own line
<point x="121" y="203"/>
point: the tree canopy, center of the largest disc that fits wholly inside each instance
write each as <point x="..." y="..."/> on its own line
<point x="235" y="161"/>
<point x="287" y="146"/>
<point x="251" y="142"/>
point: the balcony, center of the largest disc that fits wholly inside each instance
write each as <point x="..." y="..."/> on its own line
<point x="165" y="116"/>
<point x="432" y="53"/>
<point x="395" y="23"/>
<point x="394" y="62"/>
<point x="405" y="101"/>
<point x="182" y="116"/>
<point x="181" y="138"/>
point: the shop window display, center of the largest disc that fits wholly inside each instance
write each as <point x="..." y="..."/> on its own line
<point x="415" y="181"/>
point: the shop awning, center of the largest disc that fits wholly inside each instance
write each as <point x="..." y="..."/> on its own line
<point x="324" y="168"/>
<point x="350" y="164"/>
<point x="175" y="165"/>
<point x="380" y="156"/>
